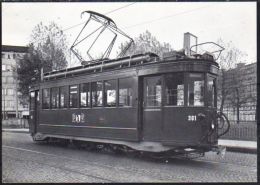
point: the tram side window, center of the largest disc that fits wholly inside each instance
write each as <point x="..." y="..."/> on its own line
<point x="74" y="96"/>
<point x="211" y="91"/>
<point x="55" y="97"/>
<point x="153" y="92"/>
<point x="63" y="97"/>
<point x="46" y="98"/>
<point x="196" y="89"/>
<point x="84" y="95"/>
<point x="174" y="89"/>
<point x="97" y="98"/>
<point x="110" y="93"/>
<point x="125" y="92"/>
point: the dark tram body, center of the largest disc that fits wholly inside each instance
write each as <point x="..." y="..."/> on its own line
<point x="143" y="102"/>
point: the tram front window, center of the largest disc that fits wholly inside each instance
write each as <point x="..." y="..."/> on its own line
<point x="196" y="89"/>
<point x="211" y="91"/>
<point x="174" y="84"/>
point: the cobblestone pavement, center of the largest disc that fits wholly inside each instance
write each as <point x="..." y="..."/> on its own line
<point x="25" y="161"/>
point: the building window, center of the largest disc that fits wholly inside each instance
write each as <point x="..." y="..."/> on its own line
<point x="8" y="67"/>
<point x="74" y="96"/>
<point x="10" y="92"/>
<point x="55" y="97"/>
<point x="3" y="67"/>
<point x="196" y="89"/>
<point x="174" y="89"/>
<point x="126" y="92"/>
<point x="85" y="95"/>
<point x="14" y="56"/>
<point x="3" y="79"/>
<point x="4" y="91"/>
<point x="3" y="55"/>
<point x="46" y="98"/>
<point x="153" y="91"/>
<point x="97" y="98"/>
<point x="10" y="79"/>
<point x="8" y="56"/>
<point x="63" y="96"/>
<point x="110" y="93"/>
<point x="7" y="104"/>
<point x="12" y="104"/>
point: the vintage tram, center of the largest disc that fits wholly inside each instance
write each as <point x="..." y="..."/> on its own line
<point x="163" y="105"/>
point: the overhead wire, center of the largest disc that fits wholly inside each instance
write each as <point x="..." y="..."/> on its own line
<point x="66" y="29"/>
<point x="165" y="17"/>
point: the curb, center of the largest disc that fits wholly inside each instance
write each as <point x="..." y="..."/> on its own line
<point x="16" y="131"/>
<point x="242" y="150"/>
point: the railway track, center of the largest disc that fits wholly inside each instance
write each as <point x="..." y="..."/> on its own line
<point x="160" y="173"/>
<point x="110" y="167"/>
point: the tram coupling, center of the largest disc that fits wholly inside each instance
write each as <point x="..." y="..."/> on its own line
<point x="220" y="150"/>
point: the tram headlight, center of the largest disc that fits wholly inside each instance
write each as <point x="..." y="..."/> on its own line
<point x="212" y="126"/>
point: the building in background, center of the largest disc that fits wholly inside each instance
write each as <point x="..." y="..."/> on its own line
<point x="11" y="107"/>
<point x="241" y="83"/>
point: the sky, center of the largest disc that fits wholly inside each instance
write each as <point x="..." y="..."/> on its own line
<point x="167" y="21"/>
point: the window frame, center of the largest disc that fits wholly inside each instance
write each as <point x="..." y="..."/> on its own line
<point x="204" y="90"/>
<point x="102" y="93"/>
<point x="77" y="106"/>
<point x="164" y="90"/>
<point x="131" y="102"/>
<point x="66" y="97"/>
<point x="88" y="100"/>
<point x="51" y="97"/>
<point x="145" y="100"/>
<point x="105" y="94"/>
<point x="49" y="106"/>
<point x="215" y="90"/>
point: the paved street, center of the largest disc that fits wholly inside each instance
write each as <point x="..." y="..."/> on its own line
<point x="25" y="161"/>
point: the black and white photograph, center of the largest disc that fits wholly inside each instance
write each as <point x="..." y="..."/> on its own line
<point x="129" y="92"/>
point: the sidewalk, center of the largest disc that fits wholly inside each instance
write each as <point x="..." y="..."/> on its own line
<point x="232" y="145"/>
<point x="239" y="146"/>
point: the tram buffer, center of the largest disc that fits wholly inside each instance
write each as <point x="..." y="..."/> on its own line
<point x="164" y="106"/>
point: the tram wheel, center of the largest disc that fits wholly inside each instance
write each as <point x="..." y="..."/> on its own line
<point x="117" y="149"/>
<point x="63" y="142"/>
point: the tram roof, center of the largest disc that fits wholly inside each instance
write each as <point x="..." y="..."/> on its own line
<point x="141" y="59"/>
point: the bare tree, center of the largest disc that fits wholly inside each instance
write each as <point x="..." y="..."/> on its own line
<point x="228" y="61"/>
<point x="145" y="42"/>
<point x="47" y="50"/>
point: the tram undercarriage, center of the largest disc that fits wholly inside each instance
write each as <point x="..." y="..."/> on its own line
<point x="149" y="149"/>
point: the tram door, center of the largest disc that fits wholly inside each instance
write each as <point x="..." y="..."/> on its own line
<point x="152" y="112"/>
<point x="34" y="105"/>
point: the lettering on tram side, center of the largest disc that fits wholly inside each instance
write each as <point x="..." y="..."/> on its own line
<point x="78" y="118"/>
<point x="192" y="118"/>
